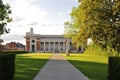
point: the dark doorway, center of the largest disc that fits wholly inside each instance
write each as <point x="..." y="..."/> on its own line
<point x="33" y="48"/>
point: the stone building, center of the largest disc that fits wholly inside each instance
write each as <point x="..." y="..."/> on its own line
<point x="47" y="43"/>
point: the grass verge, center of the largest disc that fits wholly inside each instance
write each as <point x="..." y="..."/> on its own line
<point x="28" y="65"/>
<point x="93" y="66"/>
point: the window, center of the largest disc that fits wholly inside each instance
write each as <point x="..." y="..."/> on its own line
<point x="33" y="41"/>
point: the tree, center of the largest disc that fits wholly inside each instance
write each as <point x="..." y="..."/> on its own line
<point x="67" y="35"/>
<point x="4" y="18"/>
<point x="99" y="20"/>
<point x="71" y="27"/>
<point x="115" y="23"/>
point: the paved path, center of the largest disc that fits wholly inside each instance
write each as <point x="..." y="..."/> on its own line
<point x="57" y="68"/>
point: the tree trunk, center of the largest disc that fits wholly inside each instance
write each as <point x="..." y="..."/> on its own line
<point x="67" y="48"/>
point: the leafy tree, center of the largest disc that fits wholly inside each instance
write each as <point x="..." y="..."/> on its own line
<point x="67" y="35"/>
<point x="96" y="19"/>
<point x="4" y="18"/>
<point x="115" y="23"/>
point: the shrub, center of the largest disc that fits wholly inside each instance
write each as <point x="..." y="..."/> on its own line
<point x="7" y="66"/>
<point x="114" y="68"/>
<point x="15" y="52"/>
<point x="95" y="50"/>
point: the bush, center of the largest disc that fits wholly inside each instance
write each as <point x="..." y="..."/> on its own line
<point x="95" y="50"/>
<point x="15" y="52"/>
<point x="7" y="66"/>
<point x="114" y="68"/>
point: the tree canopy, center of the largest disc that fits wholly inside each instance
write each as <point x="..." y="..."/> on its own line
<point x="4" y="18"/>
<point x="96" y="19"/>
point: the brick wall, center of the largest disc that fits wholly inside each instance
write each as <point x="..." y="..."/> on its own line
<point x="28" y="45"/>
<point x="37" y="44"/>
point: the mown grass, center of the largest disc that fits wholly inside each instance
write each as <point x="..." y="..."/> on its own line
<point x="28" y="65"/>
<point x="93" y="66"/>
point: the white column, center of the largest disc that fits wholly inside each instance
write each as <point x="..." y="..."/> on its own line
<point x="63" y="46"/>
<point x="59" y="46"/>
<point x="54" y="46"/>
<point x="44" y="46"/>
<point x="49" y="46"/>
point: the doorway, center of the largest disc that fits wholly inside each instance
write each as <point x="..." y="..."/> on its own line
<point x="33" y="48"/>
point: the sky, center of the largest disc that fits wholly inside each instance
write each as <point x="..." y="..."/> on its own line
<point x="46" y="17"/>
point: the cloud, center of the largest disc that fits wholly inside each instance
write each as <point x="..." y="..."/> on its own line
<point x="17" y="19"/>
<point x="25" y="15"/>
<point x="33" y="24"/>
<point x="24" y="10"/>
<point x="73" y="0"/>
<point x="19" y="25"/>
<point x="13" y="38"/>
<point x="60" y="13"/>
<point x="51" y="30"/>
<point x="51" y="24"/>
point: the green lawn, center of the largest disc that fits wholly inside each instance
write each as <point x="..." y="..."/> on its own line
<point x="93" y="66"/>
<point x="28" y="65"/>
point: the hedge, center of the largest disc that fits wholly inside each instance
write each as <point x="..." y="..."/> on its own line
<point x="15" y="52"/>
<point x="7" y="66"/>
<point x="114" y="68"/>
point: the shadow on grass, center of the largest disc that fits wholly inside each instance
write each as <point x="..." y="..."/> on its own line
<point x="27" y="68"/>
<point x="94" y="71"/>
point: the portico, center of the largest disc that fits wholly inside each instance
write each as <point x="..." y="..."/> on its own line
<point x="52" y="46"/>
<point x="46" y="43"/>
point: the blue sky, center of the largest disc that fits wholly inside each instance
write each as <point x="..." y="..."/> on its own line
<point x="45" y="16"/>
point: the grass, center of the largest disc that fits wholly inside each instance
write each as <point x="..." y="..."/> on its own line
<point x="93" y="66"/>
<point x="28" y="65"/>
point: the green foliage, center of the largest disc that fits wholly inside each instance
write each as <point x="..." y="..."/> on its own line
<point x="7" y="66"/>
<point x="114" y="68"/>
<point x="15" y="52"/>
<point x="4" y="18"/>
<point x="96" y="19"/>
<point x="95" y="50"/>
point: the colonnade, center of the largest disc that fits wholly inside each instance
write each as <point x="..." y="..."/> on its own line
<point x="53" y="46"/>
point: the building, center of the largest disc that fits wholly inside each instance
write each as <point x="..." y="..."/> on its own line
<point x="15" y="46"/>
<point x="2" y="47"/>
<point x="20" y="46"/>
<point x="47" y="43"/>
<point x="11" y="45"/>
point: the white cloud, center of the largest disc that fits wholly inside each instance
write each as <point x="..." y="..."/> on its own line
<point x="13" y="38"/>
<point x="29" y="12"/>
<point x="73" y="0"/>
<point x="51" y="29"/>
<point x="25" y="15"/>
<point x="60" y="13"/>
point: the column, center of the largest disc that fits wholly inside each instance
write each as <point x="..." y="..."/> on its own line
<point x="54" y="46"/>
<point x="59" y="46"/>
<point x="49" y="46"/>
<point x="44" y="46"/>
<point x="64" y="46"/>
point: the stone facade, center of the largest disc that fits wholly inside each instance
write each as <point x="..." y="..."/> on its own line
<point x="47" y="43"/>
